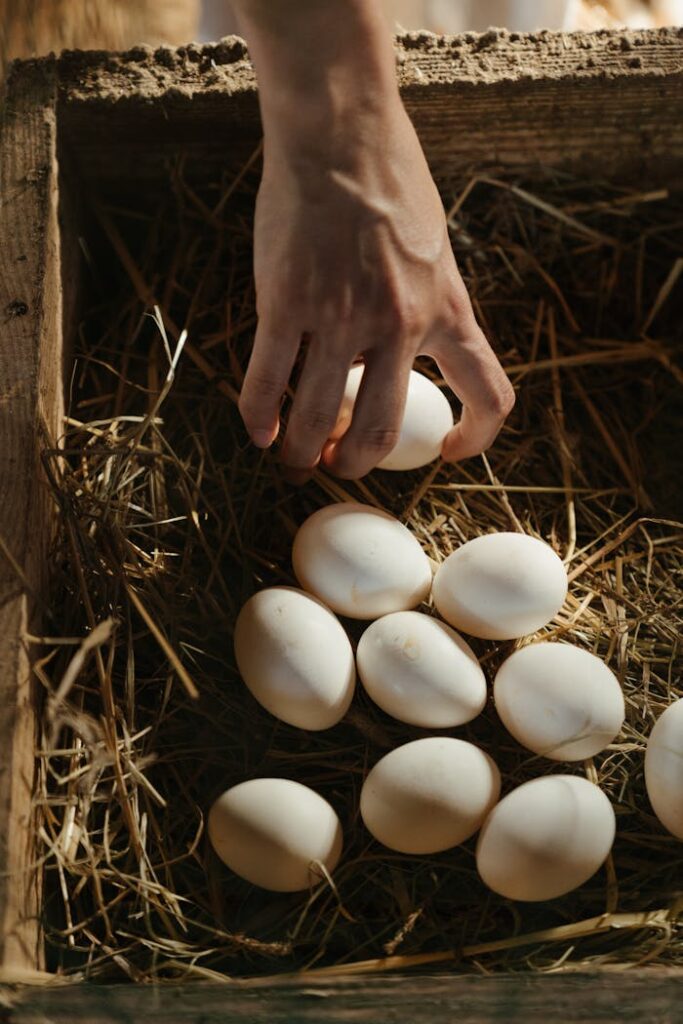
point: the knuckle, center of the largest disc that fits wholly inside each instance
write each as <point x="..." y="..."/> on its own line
<point x="452" y="316"/>
<point x="335" y="313"/>
<point x="404" y="317"/>
<point x="261" y="386"/>
<point x="379" y="440"/>
<point x="342" y="317"/>
<point x="456" y="307"/>
<point x="260" y="392"/>
<point x="498" y="405"/>
<point x="314" y="419"/>
<point x="277" y="307"/>
<point x="502" y="400"/>
<point x="359" y="452"/>
<point x="509" y="399"/>
<point x="411" y="320"/>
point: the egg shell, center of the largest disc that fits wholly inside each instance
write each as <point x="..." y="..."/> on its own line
<point x="429" y="795"/>
<point x="559" y="701"/>
<point x="545" y="838"/>
<point x="294" y="656"/>
<point x="500" y="586"/>
<point x="360" y="561"/>
<point x="269" y="831"/>
<point x="664" y="768"/>
<point x="419" y="670"/>
<point x="427" y="418"/>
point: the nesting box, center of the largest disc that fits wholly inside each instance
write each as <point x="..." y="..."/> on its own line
<point x="606" y="105"/>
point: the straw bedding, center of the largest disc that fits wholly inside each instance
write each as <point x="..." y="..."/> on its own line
<point x="168" y="520"/>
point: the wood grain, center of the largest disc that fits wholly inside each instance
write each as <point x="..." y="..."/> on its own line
<point x="606" y="102"/>
<point x="30" y="403"/>
<point x="641" y="996"/>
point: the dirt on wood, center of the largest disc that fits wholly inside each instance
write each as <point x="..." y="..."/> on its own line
<point x="493" y="56"/>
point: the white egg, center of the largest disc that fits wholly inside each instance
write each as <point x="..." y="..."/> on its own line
<point x="420" y="671"/>
<point x="427" y="418"/>
<point x="295" y="657"/>
<point x="545" y="838"/>
<point x="664" y="768"/>
<point x="500" y="586"/>
<point x="271" y="832"/>
<point x="360" y="561"/>
<point x="429" y="795"/>
<point x="559" y="701"/>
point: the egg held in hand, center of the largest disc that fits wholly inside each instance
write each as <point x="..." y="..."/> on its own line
<point x="360" y="561"/>
<point x="427" y="419"/>
<point x="559" y="701"/>
<point x="295" y="657"/>
<point x="545" y="838"/>
<point x="419" y="670"/>
<point x="272" y="831"/>
<point x="500" y="586"/>
<point x="664" y="768"/>
<point x="429" y="795"/>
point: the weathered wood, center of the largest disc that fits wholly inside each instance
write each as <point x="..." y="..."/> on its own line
<point x="571" y="998"/>
<point x="606" y="102"/>
<point x="30" y="404"/>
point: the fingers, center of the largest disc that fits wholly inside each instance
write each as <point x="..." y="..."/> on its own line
<point x="316" y="406"/>
<point x="377" y="416"/>
<point x="473" y="372"/>
<point x="265" y="382"/>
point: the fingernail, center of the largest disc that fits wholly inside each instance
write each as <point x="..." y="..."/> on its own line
<point x="262" y="438"/>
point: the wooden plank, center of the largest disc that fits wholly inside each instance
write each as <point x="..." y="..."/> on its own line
<point x="610" y="102"/>
<point x="30" y="404"/>
<point x="641" y="996"/>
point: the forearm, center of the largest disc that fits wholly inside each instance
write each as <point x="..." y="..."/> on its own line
<point x="326" y="72"/>
<point x="351" y="246"/>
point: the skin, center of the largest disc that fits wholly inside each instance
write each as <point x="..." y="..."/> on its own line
<point x="352" y="256"/>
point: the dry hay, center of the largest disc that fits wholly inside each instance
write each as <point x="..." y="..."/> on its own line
<point x="169" y="519"/>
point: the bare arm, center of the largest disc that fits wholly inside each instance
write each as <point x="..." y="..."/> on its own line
<point x="351" y="246"/>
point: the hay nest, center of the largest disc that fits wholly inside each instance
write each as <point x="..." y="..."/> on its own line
<point x="169" y="520"/>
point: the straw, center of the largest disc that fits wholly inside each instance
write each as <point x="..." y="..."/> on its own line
<point x="169" y="520"/>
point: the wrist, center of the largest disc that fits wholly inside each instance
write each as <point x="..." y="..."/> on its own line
<point x="326" y="72"/>
<point x="331" y="135"/>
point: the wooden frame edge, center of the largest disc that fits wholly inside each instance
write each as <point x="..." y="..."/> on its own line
<point x="31" y="405"/>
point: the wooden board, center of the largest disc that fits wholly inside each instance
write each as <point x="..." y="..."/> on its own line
<point x="610" y="102"/>
<point x="30" y="405"/>
<point x="640" y="996"/>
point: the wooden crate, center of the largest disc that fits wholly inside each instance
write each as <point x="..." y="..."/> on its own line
<point x="607" y="103"/>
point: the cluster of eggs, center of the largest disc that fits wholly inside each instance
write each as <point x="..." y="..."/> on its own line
<point x="545" y="837"/>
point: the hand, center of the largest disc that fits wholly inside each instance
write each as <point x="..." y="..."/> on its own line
<point x="352" y="253"/>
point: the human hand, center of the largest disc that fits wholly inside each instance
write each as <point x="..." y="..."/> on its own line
<point x="352" y="253"/>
